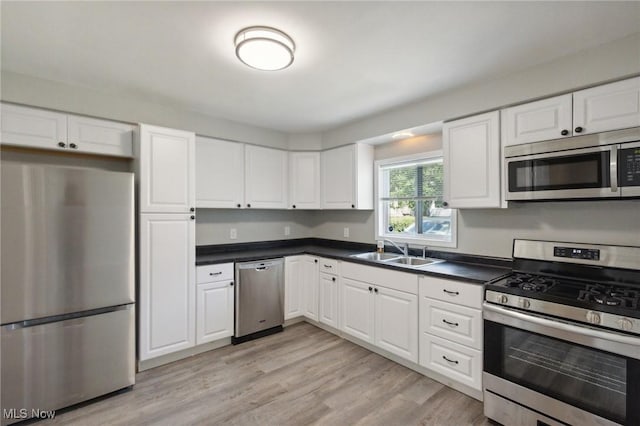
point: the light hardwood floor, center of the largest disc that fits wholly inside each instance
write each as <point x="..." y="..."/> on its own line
<point x="304" y="375"/>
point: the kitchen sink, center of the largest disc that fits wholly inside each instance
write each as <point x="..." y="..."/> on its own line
<point x="414" y="261"/>
<point x="377" y="257"/>
<point x="396" y="259"/>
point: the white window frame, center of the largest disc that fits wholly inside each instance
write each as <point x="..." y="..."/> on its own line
<point x="417" y="240"/>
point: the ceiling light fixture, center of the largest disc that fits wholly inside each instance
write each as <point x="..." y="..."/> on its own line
<point x="402" y="135"/>
<point x="264" y="48"/>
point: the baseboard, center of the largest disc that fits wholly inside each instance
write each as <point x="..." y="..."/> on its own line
<point x="186" y="353"/>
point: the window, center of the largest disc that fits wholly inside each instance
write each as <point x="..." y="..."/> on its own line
<point x="409" y="201"/>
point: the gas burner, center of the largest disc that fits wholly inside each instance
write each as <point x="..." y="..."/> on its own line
<point x="610" y="296"/>
<point x="529" y="282"/>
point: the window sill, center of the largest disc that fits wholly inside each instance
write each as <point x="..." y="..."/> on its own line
<point x="418" y="241"/>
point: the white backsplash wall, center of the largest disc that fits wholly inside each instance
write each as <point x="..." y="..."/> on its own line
<point x="490" y="232"/>
<point x="213" y="226"/>
<point x="330" y="224"/>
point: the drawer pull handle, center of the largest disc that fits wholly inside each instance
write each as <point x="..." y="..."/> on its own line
<point x="328" y="266"/>
<point x="454" y="324"/>
<point x="215" y="273"/>
<point x="449" y="360"/>
<point x="453" y="293"/>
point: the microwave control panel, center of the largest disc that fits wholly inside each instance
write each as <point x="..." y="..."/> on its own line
<point x="629" y="166"/>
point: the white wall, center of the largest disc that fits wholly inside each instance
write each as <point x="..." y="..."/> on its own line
<point x="213" y="225"/>
<point x="33" y="91"/>
<point x="611" y="61"/>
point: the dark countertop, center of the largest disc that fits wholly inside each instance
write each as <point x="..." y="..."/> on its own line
<point x="473" y="269"/>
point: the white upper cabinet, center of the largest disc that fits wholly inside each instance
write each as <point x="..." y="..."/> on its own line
<point x="536" y="121"/>
<point x="607" y="107"/>
<point x="472" y="161"/>
<point x="304" y="181"/>
<point x="219" y="173"/>
<point x="36" y="128"/>
<point x="266" y="184"/>
<point x="347" y="177"/>
<point x="166" y="170"/>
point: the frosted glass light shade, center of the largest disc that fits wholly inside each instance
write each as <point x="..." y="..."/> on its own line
<point x="264" y="48"/>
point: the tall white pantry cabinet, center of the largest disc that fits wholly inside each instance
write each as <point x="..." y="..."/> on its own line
<point x="166" y="203"/>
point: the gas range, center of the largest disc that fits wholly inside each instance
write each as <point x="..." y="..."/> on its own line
<point x="593" y="284"/>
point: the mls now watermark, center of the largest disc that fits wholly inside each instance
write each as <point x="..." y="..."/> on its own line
<point x="24" y="413"/>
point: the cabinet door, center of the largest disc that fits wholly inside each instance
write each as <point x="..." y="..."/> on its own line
<point x="339" y="178"/>
<point x="310" y="284"/>
<point x="357" y="308"/>
<point x="167" y="172"/>
<point x="608" y="107"/>
<point x="214" y="311"/>
<point x="396" y="322"/>
<point x="304" y="182"/>
<point x="293" y="286"/>
<point x="167" y="284"/>
<point x="328" y="287"/>
<point x="472" y="161"/>
<point x="100" y="136"/>
<point x="33" y="127"/>
<point x="537" y="121"/>
<point x="266" y="178"/>
<point x="219" y="173"/>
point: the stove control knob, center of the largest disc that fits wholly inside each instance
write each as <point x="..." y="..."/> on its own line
<point x="503" y="299"/>
<point x="625" y="324"/>
<point x="593" y="317"/>
<point x="524" y="303"/>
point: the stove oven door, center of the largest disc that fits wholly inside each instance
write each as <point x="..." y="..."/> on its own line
<point x="573" y="373"/>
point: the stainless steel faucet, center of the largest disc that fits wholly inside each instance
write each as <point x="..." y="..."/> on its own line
<point x="424" y="252"/>
<point x="404" y="251"/>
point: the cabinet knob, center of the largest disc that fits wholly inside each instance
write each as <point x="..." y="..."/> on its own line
<point x="193" y="209"/>
<point x="239" y="205"/>
<point x="565" y="132"/>
<point x="353" y="206"/>
<point x="370" y="289"/>
<point x="73" y="146"/>
<point x="578" y="129"/>
<point x="231" y="283"/>
<point x="375" y="290"/>
<point x="315" y="260"/>
<point x="62" y="144"/>
<point x="333" y="278"/>
<point x="445" y="204"/>
<point x="294" y="206"/>
<point x="248" y="205"/>
<point x="193" y="217"/>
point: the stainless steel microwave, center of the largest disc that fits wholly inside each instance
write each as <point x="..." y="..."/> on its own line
<point x="603" y="165"/>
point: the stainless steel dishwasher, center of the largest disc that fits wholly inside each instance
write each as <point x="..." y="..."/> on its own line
<point x="259" y="299"/>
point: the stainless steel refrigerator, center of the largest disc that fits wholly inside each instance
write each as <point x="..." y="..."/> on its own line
<point x="67" y="289"/>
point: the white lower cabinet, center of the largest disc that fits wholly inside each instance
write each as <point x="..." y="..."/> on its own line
<point x="377" y="314"/>
<point x="293" y="286"/>
<point x="214" y="302"/>
<point x="167" y="284"/>
<point x="396" y="322"/>
<point x="328" y="295"/>
<point x="450" y="327"/>
<point x="457" y="362"/>
<point x="310" y="302"/>
<point x="358" y="309"/>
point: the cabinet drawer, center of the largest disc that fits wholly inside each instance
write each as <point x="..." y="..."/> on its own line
<point x="450" y="291"/>
<point x="455" y="361"/>
<point x="217" y="272"/>
<point x="453" y="322"/>
<point x="396" y="280"/>
<point x="329" y="266"/>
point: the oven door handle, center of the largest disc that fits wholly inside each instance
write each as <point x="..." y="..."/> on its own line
<point x="608" y="341"/>
<point x="613" y="168"/>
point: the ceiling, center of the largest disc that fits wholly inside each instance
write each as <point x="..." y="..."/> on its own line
<point x="353" y="59"/>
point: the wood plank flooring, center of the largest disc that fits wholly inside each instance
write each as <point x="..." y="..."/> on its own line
<point x="302" y="376"/>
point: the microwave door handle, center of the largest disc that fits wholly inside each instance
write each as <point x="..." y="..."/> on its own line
<point x="613" y="168"/>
